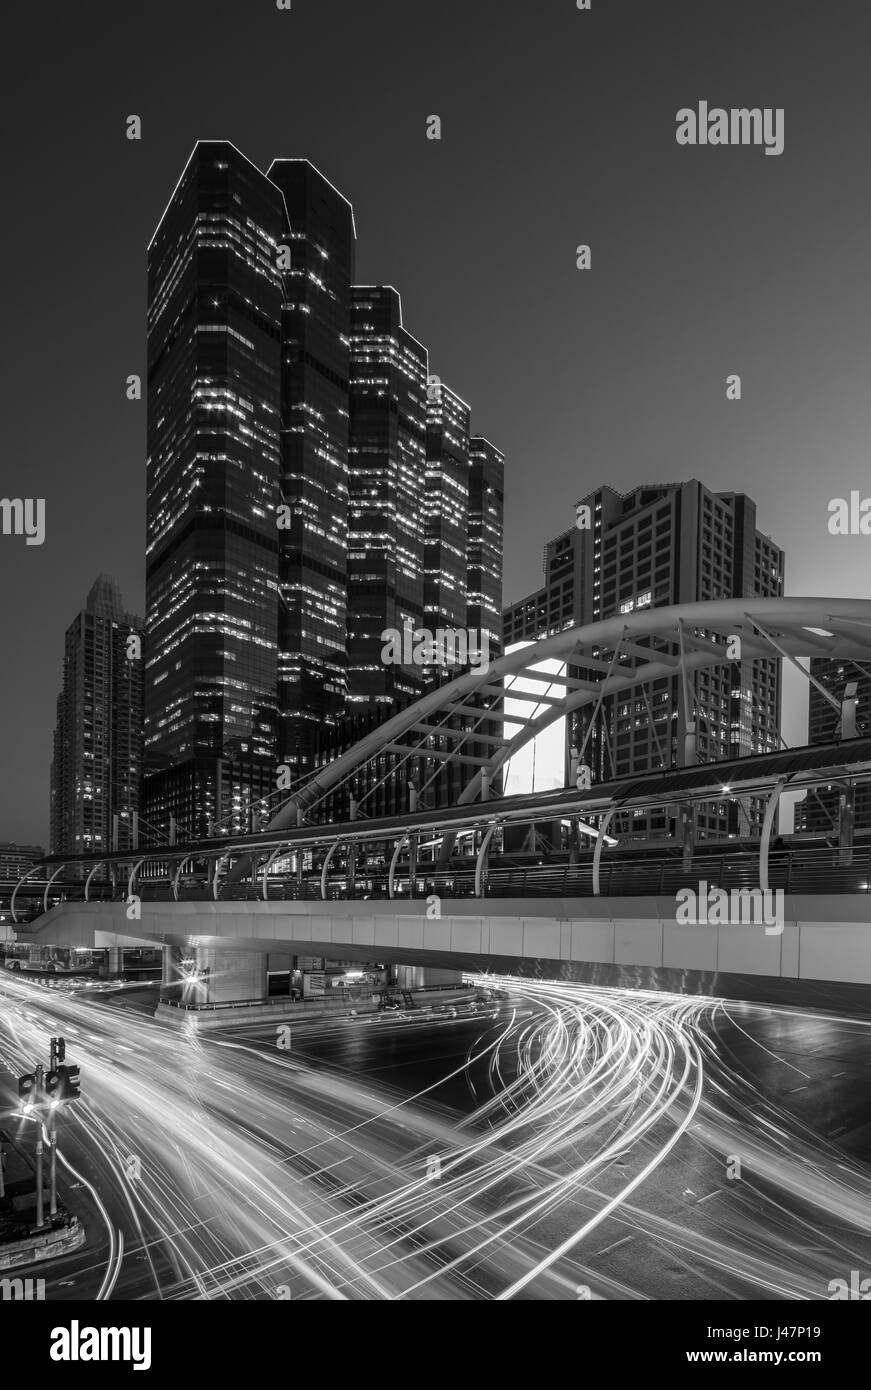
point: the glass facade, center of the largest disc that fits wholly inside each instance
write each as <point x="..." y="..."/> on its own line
<point x="446" y="508"/>
<point x="302" y="497"/>
<point x="214" y="371"/>
<point x="486" y="541"/>
<point x="387" y="487"/>
<point x="318" y="231"/>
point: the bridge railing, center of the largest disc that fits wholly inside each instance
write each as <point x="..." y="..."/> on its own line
<point x="808" y="870"/>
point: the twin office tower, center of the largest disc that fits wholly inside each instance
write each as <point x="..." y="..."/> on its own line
<point x="310" y="484"/>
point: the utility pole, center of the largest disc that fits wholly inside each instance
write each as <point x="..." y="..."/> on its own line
<point x="412" y="841"/>
<point x="38" y="1091"/>
<point x="52" y="1168"/>
<point x="40" y="1214"/>
<point x="58" y="1053"/>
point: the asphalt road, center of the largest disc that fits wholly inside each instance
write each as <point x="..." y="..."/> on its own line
<point x="570" y="1143"/>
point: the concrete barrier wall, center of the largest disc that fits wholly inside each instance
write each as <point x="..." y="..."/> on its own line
<point x="824" y="938"/>
<point x="287" y="1011"/>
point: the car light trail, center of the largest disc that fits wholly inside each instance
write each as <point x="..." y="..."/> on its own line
<point x="259" y="1171"/>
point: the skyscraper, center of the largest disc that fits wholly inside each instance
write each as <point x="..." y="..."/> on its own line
<point x="652" y="547"/>
<point x="214" y="416"/>
<point x="387" y="483"/>
<point x="484" y="555"/>
<point x="446" y="508"/>
<point x="318" y="231"/>
<point x="425" y="549"/>
<point x="301" y="497"/>
<point x="97" y="762"/>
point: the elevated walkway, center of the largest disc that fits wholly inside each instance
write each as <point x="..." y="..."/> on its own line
<point x="823" y="938"/>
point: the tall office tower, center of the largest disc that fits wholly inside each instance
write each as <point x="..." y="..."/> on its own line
<point x="412" y="558"/>
<point x="652" y="547"/>
<point x="819" y="813"/>
<point x="446" y="508"/>
<point x="465" y="478"/>
<point x="214" y="412"/>
<point x="319" y="234"/>
<point x="97" y="762"/>
<point x="446" y="547"/>
<point x="387" y="481"/>
<point x="484" y="564"/>
<point x="484" y="558"/>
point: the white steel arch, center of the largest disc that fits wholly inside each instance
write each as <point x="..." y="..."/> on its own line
<point x="790" y="628"/>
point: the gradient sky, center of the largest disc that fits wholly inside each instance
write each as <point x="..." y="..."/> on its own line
<point x="558" y="128"/>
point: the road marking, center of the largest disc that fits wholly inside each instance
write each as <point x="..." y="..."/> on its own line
<point x="608" y="1248"/>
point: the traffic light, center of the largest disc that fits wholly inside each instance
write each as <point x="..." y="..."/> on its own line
<point x="58" y="1051"/>
<point x="26" y="1086"/>
<point x="53" y="1086"/>
<point x="69" y="1083"/>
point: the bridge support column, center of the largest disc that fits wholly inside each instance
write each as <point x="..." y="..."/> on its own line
<point x="481" y="862"/>
<point x="846" y="818"/>
<point x="686" y="831"/>
<point x="170" y="983"/>
<point x="765" y="837"/>
<point x="114" y="959"/>
<point x="604" y="825"/>
<point x="413" y="841"/>
<point x="231" y="975"/>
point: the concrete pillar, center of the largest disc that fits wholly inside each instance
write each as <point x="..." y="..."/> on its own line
<point x="114" y="960"/>
<point x="846" y="823"/>
<point x="170" y="987"/>
<point x="230" y="975"/>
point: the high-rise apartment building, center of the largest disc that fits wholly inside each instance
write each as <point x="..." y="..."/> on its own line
<point x="653" y="547"/>
<point x="97" y="762"/>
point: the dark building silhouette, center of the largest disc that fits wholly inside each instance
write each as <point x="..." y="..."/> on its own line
<point x="97" y="764"/>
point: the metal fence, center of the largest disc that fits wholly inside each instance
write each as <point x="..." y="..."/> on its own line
<point x="815" y="870"/>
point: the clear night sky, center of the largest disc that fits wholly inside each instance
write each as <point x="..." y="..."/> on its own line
<point x="558" y="128"/>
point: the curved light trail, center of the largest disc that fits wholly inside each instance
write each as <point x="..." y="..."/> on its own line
<point x="226" y="1168"/>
